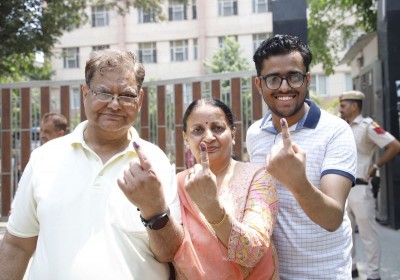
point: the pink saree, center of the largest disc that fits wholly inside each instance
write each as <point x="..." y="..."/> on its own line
<point x="203" y="256"/>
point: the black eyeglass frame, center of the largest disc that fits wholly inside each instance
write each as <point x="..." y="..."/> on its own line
<point x="283" y="78"/>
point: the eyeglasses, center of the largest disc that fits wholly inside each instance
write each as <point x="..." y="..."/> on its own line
<point x="124" y="99"/>
<point x="294" y="80"/>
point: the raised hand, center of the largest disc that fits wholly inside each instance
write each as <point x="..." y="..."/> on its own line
<point x="287" y="162"/>
<point x="142" y="186"/>
<point x="201" y="183"/>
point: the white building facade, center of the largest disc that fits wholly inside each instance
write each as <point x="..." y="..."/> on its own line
<point x="178" y="46"/>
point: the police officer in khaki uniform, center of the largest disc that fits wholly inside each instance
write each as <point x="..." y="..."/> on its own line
<point x="361" y="203"/>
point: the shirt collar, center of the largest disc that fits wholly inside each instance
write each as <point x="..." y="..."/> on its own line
<point x="309" y="120"/>
<point x="77" y="136"/>
<point x="358" y="119"/>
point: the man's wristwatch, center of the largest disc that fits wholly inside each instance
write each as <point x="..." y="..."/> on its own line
<point x="158" y="222"/>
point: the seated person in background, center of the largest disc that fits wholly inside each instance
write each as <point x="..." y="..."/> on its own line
<point x="52" y="125"/>
<point x="228" y="208"/>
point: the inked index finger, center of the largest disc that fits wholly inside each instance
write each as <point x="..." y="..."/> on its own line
<point x="287" y="141"/>
<point x="142" y="157"/>
<point x="204" y="156"/>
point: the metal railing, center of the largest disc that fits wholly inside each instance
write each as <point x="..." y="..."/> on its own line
<point x="160" y="120"/>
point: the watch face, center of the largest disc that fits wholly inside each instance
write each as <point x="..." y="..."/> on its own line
<point x="159" y="223"/>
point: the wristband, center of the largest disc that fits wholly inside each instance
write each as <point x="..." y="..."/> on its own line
<point x="375" y="166"/>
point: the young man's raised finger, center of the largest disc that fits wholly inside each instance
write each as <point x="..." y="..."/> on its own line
<point x="287" y="141"/>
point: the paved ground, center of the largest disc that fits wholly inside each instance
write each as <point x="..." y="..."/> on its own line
<point x="390" y="265"/>
<point x="390" y="241"/>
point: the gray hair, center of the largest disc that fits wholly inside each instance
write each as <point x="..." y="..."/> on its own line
<point x="108" y="59"/>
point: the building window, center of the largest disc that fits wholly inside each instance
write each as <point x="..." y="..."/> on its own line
<point x="100" y="47"/>
<point x="227" y="8"/>
<point x="258" y="39"/>
<point x="148" y="53"/>
<point x="195" y="49"/>
<point x="148" y="15"/>
<point x="99" y="16"/>
<point x="179" y="50"/>
<point x="260" y="6"/>
<point x="176" y="11"/>
<point x="194" y="9"/>
<point x="71" y="58"/>
<point x="318" y="85"/>
<point x="221" y="40"/>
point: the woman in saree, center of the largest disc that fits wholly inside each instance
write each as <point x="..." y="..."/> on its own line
<point x="228" y="207"/>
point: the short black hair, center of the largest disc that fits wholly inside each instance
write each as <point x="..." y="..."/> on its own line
<point x="281" y="45"/>
<point x="357" y="101"/>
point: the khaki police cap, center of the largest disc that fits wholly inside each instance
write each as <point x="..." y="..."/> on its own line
<point x="352" y="95"/>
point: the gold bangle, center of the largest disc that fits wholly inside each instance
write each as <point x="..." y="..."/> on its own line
<point x="221" y="222"/>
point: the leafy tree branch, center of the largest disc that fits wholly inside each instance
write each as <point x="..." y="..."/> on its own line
<point x="332" y="23"/>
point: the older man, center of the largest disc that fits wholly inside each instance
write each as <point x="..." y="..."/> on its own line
<point x="361" y="203"/>
<point x="99" y="203"/>
<point x="52" y="125"/>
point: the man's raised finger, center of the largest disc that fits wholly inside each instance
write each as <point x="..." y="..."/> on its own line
<point x="142" y="157"/>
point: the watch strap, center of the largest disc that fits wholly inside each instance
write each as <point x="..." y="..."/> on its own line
<point x="158" y="222"/>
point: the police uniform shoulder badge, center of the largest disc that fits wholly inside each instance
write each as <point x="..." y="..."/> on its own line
<point x="377" y="128"/>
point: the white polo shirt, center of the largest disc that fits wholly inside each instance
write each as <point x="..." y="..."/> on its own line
<point x="305" y="250"/>
<point x="86" y="227"/>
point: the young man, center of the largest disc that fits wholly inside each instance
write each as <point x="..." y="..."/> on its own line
<point x="52" y="125"/>
<point x="312" y="154"/>
<point x="99" y="203"/>
<point x="361" y="203"/>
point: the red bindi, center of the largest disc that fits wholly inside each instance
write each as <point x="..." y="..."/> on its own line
<point x="206" y="122"/>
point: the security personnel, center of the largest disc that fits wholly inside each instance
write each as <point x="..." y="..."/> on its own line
<point x="361" y="203"/>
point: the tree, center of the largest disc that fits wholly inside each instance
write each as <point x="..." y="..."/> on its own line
<point x="330" y="26"/>
<point x="330" y="107"/>
<point x="228" y="58"/>
<point x="19" y="67"/>
<point x="31" y="26"/>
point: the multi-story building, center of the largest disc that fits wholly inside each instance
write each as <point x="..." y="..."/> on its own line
<point x="178" y="46"/>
